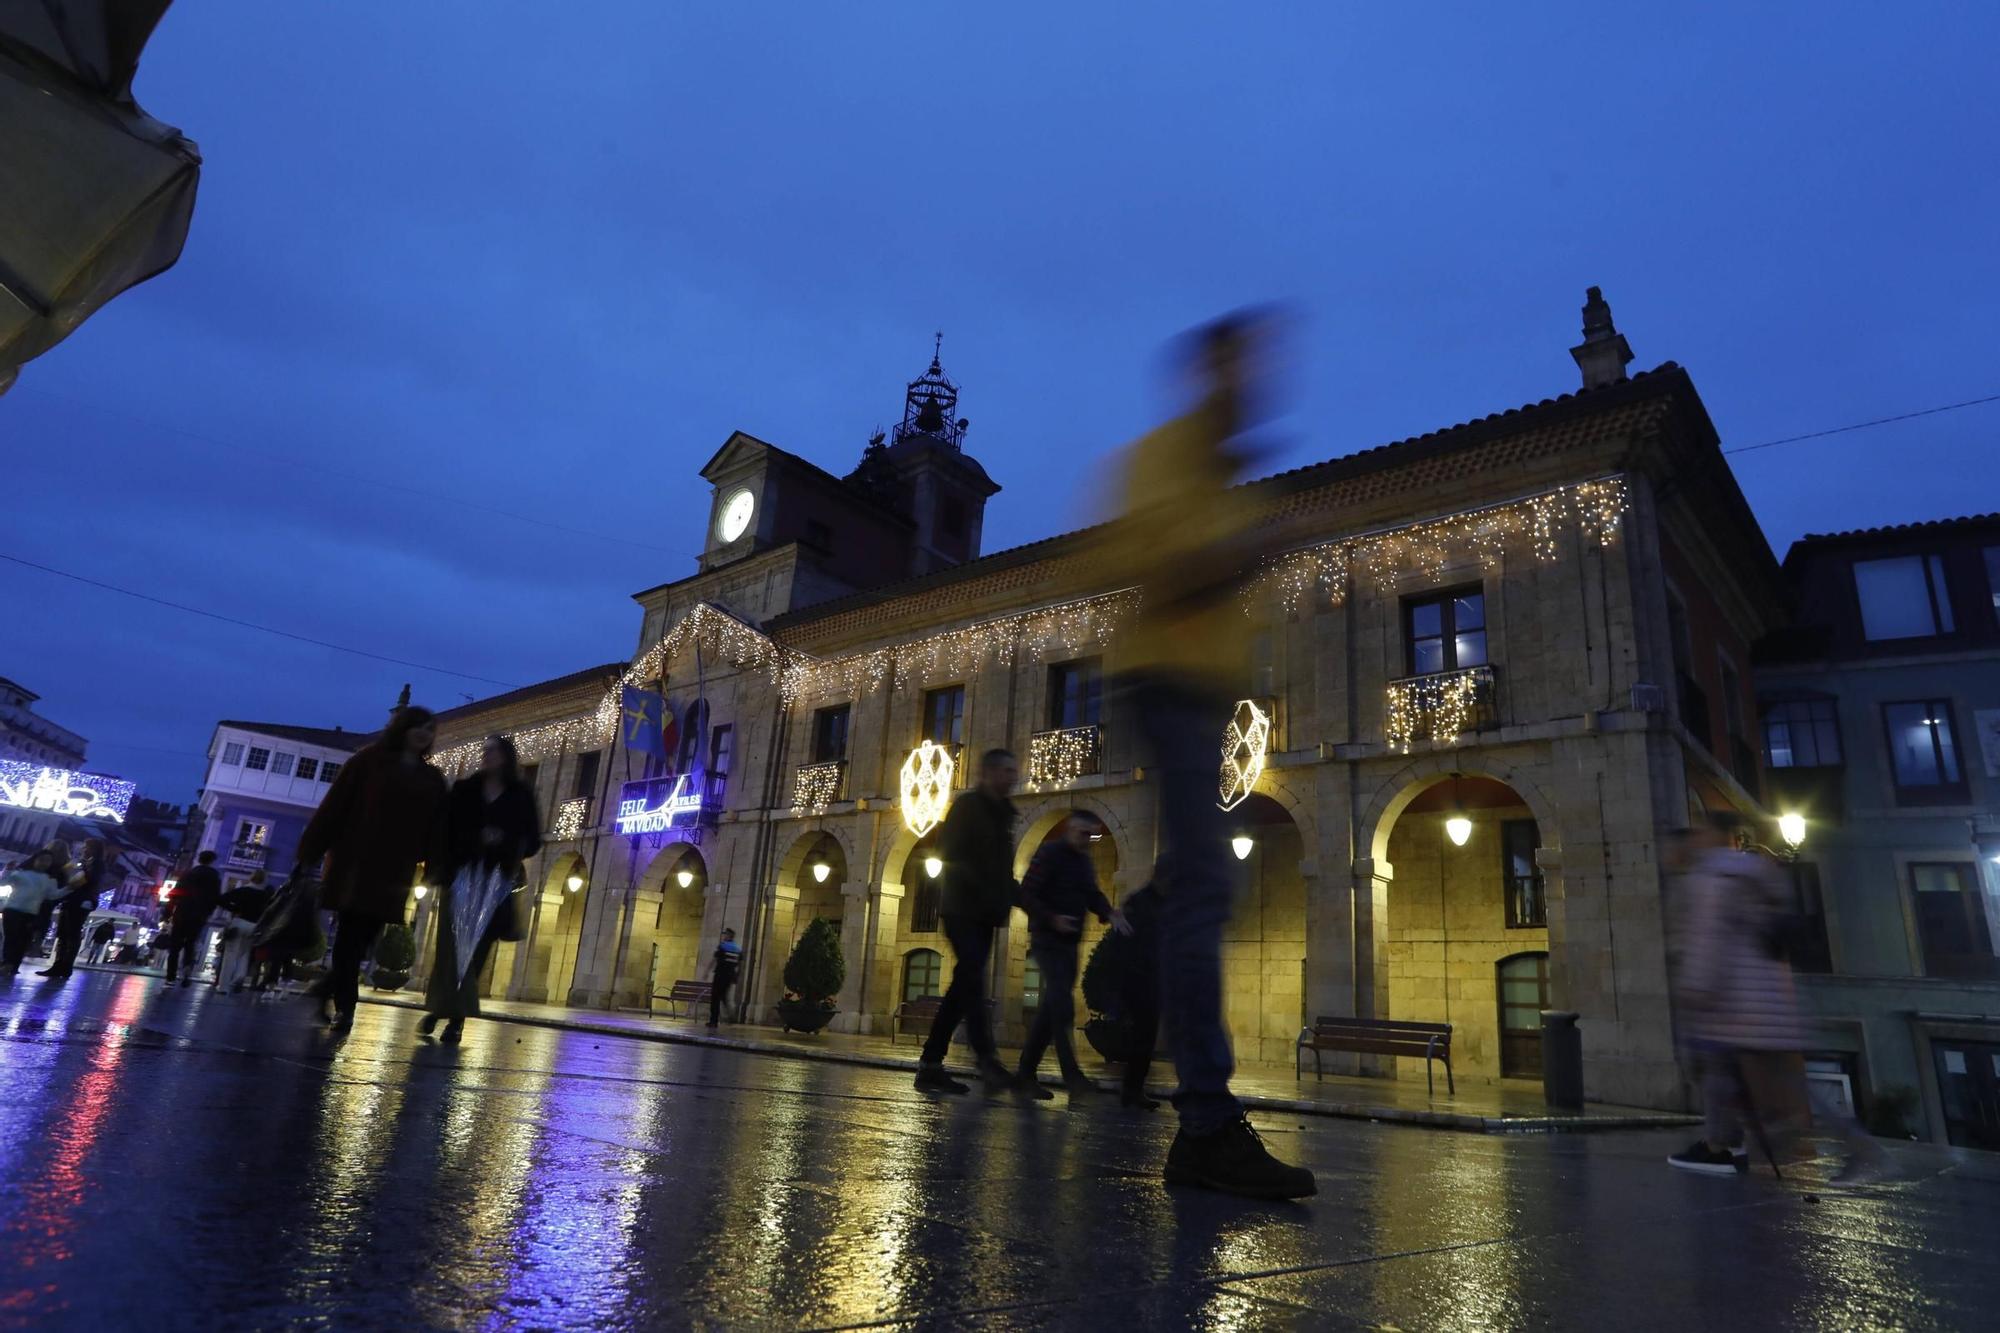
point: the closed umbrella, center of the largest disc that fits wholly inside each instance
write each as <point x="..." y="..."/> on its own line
<point x="95" y="195"/>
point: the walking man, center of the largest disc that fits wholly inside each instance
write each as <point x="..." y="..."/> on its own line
<point x="194" y="899"/>
<point x="86" y="877"/>
<point x="977" y="846"/>
<point x="1185" y="538"/>
<point x="1060" y="886"/>
<point x="100" y="940"/>
<point x="728" y="960"/>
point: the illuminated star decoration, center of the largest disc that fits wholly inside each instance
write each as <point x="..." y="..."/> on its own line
<point x="1245" y="742"/>
<point x="927" y="775"/>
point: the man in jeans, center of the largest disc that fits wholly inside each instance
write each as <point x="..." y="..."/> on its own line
<point x="977" y="846"/>
<point x="727" y="959"/>
<point x="1060" y="886"/>
<point x="1185" y="539"/>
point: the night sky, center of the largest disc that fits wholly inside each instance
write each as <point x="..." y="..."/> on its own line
<point x="457" y="250"/>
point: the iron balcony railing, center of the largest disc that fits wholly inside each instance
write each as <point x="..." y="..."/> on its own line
<point x="1064" y="754"/>
<point x="1438" y="707"/>
<point x="817" y="786"/>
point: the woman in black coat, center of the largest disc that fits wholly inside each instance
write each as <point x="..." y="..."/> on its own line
<point x="490" y="829"/>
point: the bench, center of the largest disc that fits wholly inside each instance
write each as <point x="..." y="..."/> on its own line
<point x="1379" y="1036"/>
<point x="923" y="1010"/>
<point x="687" y="993"/>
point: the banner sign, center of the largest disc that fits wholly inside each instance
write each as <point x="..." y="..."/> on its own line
<point x="654" y="805"/>
<point x="643" y="722"/>
<point x="79" y="795"/>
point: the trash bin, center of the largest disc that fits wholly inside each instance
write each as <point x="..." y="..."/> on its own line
<point x="1562" y="1060"/>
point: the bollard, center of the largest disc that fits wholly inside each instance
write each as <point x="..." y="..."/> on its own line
<point x="1562" y="1060"/>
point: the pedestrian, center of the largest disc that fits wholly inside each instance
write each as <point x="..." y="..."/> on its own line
<point x="378" y="820"/>
<point x="1139" y="994"/>
<point x="23" y="892"/>
<point x="193" y="900"/>
<point x="976" y="843"/>
<point x="724" y="964"/>
<point x="490" y="830"/>
<point x="1185" y="539"/>
<point x="1737" y="1012"/>
<point x="79" y="900"/>
<point x="243" y="906"/>
<point x="1060" y="886"/>
<point x="100" y="941"/>
<point x="59" y="854"/>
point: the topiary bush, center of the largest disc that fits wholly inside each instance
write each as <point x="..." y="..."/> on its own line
<point x="1104" y="975"/>
<point x="816" y="970"/>
<point x="395" y="948"/>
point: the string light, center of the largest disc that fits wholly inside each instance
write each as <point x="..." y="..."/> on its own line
<point x="816" y="787"/>
<point x="1245" y="742"/>
<point x="570" y="816"/>
<point x="1059" y="757"/>
<point x="1439" y="706"/>
<point x="927" y="776"/>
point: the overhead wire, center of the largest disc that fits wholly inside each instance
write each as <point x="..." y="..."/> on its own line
<point x="1862" y="425"/>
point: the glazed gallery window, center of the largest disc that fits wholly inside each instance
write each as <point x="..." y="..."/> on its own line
<point x="258" y="759"/>
<point x="1075" y="693"/>
<point x="250" y="833"/>
<point x="1801" y="733"/>
<point x="1527" y="908"/>
<point x="1954" y="927"/>
<point x="587" y="765"/>
<point x="944" y="715"/>
<point x="281" y="764"/>
<point x="1903" y="598"/>
<point x="1923" y="752"/>
<point x="308" y="768"/>
<point x="923" y="974"/>
<point x="328" y="772"/>
<point x="232" y="753"/>
<point x="1445" y="632"/>
<point x="829" y="737"/>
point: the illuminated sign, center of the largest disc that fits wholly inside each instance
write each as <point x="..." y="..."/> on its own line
<point x="658" y="804"/>
<point x="79" y="795"/>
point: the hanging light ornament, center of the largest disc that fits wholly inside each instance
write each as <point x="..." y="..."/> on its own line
<point x="927" y="776"/>
<point x="933" y="865"/>
<point x="1242" y="844"/>
<point x="820" y="871"/>
<point x="1245" y="742"/>
<point x="1457" y="826"/>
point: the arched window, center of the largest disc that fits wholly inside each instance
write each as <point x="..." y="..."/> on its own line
<point x="1524" y="993"/>
<point x="923" y="974"/>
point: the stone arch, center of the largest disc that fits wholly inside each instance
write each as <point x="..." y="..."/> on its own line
<point x="557" y="937"/>
<point x="1393" y="796"/>
<point x="1300" y="806"/>
<point x="1264" y="940"/>
<point x="668" y="917"/>
<point x="1039" y="817"/>
<point x="799" y="896"/>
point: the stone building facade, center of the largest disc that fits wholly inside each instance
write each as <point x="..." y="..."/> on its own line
<point x="1521" y="629"/>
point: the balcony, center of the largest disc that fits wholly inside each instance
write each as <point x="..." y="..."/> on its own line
<point x="817" y="786"/>
<point x="572" y="819"/>
<point x="248" y="856"/>
<point x="1057" y="758"/>
<point x="1439" y="707"/>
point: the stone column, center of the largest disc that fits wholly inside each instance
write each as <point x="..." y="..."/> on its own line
<point x="1372" y="878"/>
<point x="854" y="951"/>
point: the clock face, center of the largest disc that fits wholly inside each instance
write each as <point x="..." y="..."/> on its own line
<point x="735" y="518"/>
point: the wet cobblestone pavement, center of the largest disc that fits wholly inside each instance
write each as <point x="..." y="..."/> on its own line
<point x="186" y="1160"/>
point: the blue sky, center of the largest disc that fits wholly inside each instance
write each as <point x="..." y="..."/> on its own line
<point x="458" y="249"/>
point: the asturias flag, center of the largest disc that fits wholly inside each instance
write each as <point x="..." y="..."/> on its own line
<point x="641" y="720"/>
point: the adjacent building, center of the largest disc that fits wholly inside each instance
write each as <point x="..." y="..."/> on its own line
<point x="1497" y="665"/>
<point x="42" y="782"/>
<point x="263" y="783"/>
<point x="1880" y="714"/>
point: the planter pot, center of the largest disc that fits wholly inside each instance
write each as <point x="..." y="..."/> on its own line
<point x="804" y="1015"/>
<point x="1110" y="1038"/>
<point x="383" y="979"/>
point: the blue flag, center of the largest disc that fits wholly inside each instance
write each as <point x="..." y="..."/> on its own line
<point x="640" y="722"/>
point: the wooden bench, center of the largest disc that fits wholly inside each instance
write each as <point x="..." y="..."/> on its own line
<point x="1379" y="1036"/>
<point x="687" y="993"/>
<point x="923" y="1010"/>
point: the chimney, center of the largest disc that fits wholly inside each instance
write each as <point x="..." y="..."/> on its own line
<point x="1603" y="353"/>
<point x="403" y="699"/>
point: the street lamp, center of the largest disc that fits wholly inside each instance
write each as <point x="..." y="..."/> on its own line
<point x="684" y="877"/>
<point x="1456" y="826"/>
<point x="933" y="865"/>
<point x="1241" y="845"/>
<point x="820" y="871"/>
<point x="422" y="889"/>
<point x="575" y="881"/>
<point x="1792" y="828"/>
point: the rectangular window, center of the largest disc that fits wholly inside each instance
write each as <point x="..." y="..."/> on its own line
<point x="1732" y="699"/>
<point x="281" y="764"/>
<point x="232" y="753"/>
<point x="1810" y="951"/>
<point x="1446" y="631"/>
<point x="250" y="833"/>
<point x="720" y="743"/>
<point x="830" y="733"/>
<point x="944" y="715"/>
<point x="258" y="759"/>
<point x="586" y="773"/>
<point x="1923" y="752"/>
<point x="925" y="905"/>
<point x="328" y="772"/>
<point x="1952" y="925"/>
<point x="1075" y="693"/>
<point x="1903" y="597"/>
<point x="1801" y="733"/>
<point x="308" y="768"/>
<point x="1527" y="908"/>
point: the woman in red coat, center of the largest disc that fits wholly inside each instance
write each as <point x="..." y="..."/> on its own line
<point x="379" y="819"/>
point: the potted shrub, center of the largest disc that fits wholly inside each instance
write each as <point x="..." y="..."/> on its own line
<point x="395" y="954"/>
<point x="813" y="976"/>
<point x="1108" y="1030"/>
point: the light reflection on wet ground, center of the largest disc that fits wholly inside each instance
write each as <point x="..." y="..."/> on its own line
<point x="179" y="1159"/>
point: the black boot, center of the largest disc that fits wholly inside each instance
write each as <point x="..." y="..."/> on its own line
<point x="1234" y="1160"/>
<point x="1137" y="1100"/>
<point x="994" y="1078"/>
<point x="933" y="1078"/>
<point x="427" y="1025"/>
<point x="1026" y="1084"/>
<point x="453" y="1033"/>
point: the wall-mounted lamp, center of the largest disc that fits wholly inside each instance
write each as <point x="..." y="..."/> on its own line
<point x="820" y="871"/>
<point x="1241" y="845"/>
<point x="933" y="866"/>
<point x="422" y="889"/>
<point x="575" y="881"/>
<point x="1792" y="828"/>
<point x="1457" y="826"/>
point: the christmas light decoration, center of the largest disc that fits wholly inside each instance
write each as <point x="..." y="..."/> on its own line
<point x="1245" y="742"/>
<point x="27" y="786"/>
<point x="570" y="817"/>
<point x="815" y="787"/>
<point x="1440" y="706"/>
<point x="1059" y="757"/>
<point x="927" y="776"/>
